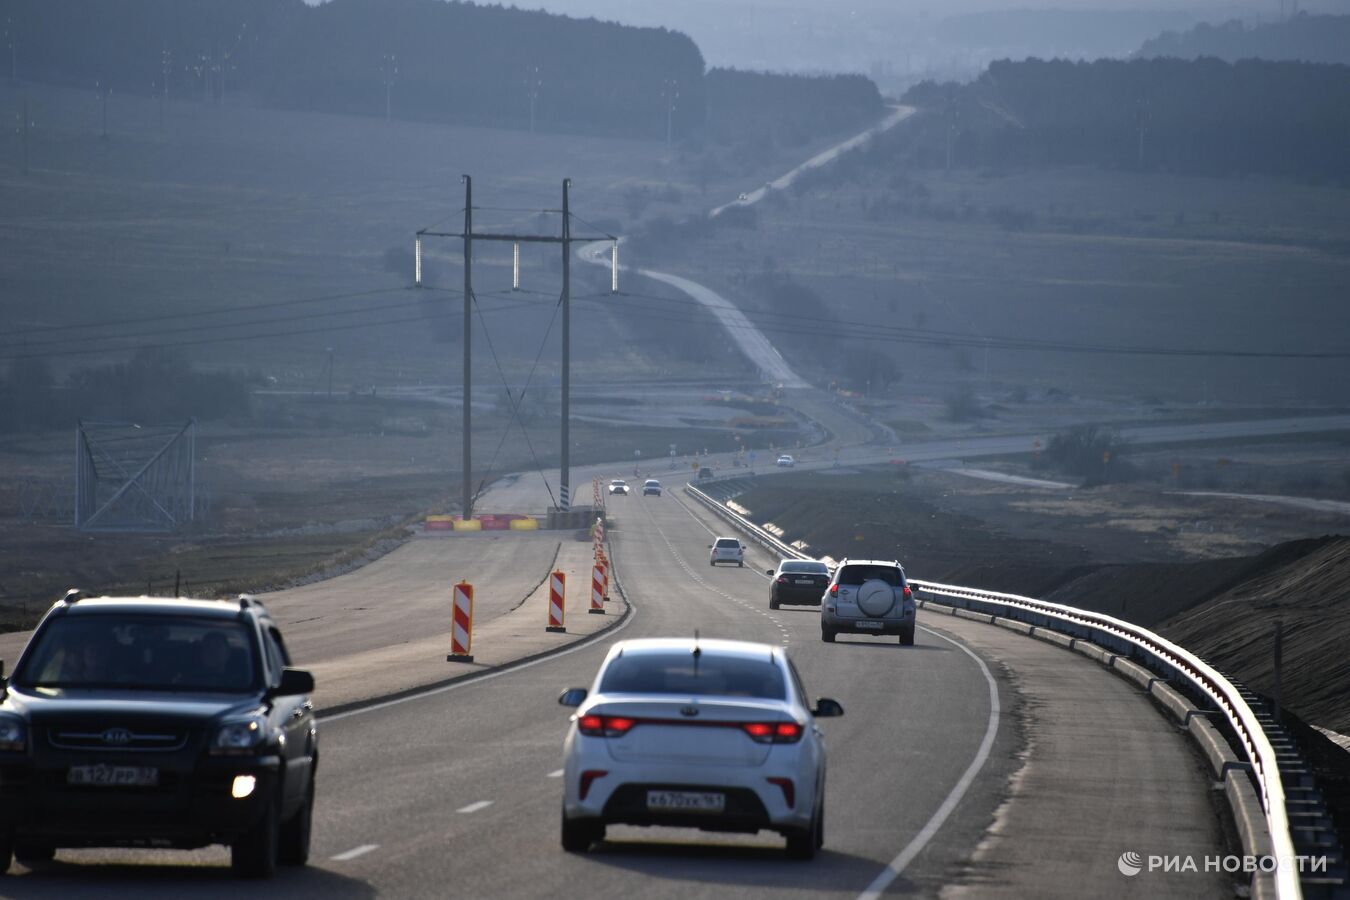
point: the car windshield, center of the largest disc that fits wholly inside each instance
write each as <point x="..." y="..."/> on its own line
<point x="805" y="568"/>
<point x="149" y="652"/>
<point x="856" y="575"/>
<point x="683" y="673"/>
<point x="653" y="483"/>
<point x="728" y="543"/>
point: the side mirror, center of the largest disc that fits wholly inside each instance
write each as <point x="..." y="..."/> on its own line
<point x="572" y="697"/>
<point x="827" y="708"/>
<point x="769" y="572"/>
<point x="294" y="682"/>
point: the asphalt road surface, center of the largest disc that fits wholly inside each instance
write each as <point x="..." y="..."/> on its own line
<point x="456" y="793"/>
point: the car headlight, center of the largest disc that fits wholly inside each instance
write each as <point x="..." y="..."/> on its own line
<point x="242" y="735"/>
<point x="13" y="734"/>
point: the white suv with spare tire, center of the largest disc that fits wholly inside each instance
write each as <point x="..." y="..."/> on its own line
<point x="868" y="596"/>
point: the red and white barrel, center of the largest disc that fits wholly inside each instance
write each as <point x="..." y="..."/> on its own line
<point x="461" y="626"/>
<point x="557" y="595"/>
<point x="598" y="589"/>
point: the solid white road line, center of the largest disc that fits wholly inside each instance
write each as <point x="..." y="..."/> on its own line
<point x="474" y="807"/>
<point x="914" y="847"/>
<point x="556" y="773"/>
<point x="354" y="852"/>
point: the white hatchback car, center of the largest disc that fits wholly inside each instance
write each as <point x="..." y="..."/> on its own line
<point x="727" y="550"/>
<point x="709" y="734"/>
<point x="786" y="461"/>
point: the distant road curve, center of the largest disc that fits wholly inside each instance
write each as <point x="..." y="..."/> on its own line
<point x="749" y="339"/>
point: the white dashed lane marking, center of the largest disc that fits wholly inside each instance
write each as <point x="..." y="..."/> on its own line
<point x="474" y="807"/>
<point x="354" y="852"/>
<point x="556" y="773"/>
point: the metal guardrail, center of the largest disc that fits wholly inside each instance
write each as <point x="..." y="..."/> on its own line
<point x="1157" y="652"/>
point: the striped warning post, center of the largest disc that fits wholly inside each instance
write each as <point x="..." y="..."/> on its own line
<point x="557" y="594"/>
<point x="604" y="576"/>
<point x="461" y="627"/>
<point x="598" y="589"/>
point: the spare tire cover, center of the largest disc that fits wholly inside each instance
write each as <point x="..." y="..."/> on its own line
<point x="875" y="597"/>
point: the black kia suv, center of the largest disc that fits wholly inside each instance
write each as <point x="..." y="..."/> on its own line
<point x="151" y="722"/>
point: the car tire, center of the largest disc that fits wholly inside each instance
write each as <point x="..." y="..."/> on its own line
<point x="907" y="637"/>
<point x="773" y="603"/>
<point x="254" y="855"/>
<point x="31" y="853"/>
<point x="740" y="565"/>
<point x="827" y="635"/>
<point x="6" y="853"/>
<point x="296" y="831"/>
<point x="802" y="843"/>
<point x="712" y="562"/>
<point x="579" y="834"/>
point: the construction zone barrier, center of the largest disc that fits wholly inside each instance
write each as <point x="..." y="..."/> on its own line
<point x="525" y="524"/>
<point x="598" y="589"/>
<point x="468" y="525"/>
<point x="461" y="626"/>
<point x="440" y="523"/>
<point x="557" y="596"/>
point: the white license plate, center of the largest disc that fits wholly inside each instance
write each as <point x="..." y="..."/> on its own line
<point x="867" y="623"/>
<point x="686" y="801"/>
<point x="113" y="776"/>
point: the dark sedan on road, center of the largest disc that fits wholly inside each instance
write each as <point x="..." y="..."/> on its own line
<point x="798" y="581"/>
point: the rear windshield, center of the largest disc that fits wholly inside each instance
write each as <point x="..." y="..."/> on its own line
<point x="682" y="673"/>
<point x="653" y="483"/>
<point x="127" y="652"/>
<point x="855" y="575"/>
<point x="728" y="542"/>
<point x="809" y="568"/>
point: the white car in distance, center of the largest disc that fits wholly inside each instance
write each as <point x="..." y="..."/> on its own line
<point x="726" y="549"/>
<point x="709" y="734"/>
<point x="618" y="486"/>
<point x="786" y="461"/>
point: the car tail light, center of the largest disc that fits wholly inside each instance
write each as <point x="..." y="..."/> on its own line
<point x="788" y="788"/>
<point x="908" y="592"/>
<point x="834" y="590"/>
<point x="588" y="778"/>
<point x="773" y="732"/>
<point x="605" y="726"/>
<point x="782" y="579"/>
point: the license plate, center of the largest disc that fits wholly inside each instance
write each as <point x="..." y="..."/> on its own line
<point x="867" y="623"/>
<point x="686" y="801"/>
<point x="806" y="581"/>
<point x="113" y="776"/>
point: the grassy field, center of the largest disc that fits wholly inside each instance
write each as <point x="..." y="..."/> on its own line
<point x="1085" y="256"/>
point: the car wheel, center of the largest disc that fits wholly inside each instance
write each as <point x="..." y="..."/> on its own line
<point x="295" y="832"/>
<point x="820" y="825"/>
<point x="802" y="843"/>
<point x="31" y="853"/>
<point x="255" y="854"/>
<point x="827" y="635"/>
<point x="579" y="834"/>
<point x="740" y="564"/>
<point x="773" y="603"/>
<point x="907" y="637"/>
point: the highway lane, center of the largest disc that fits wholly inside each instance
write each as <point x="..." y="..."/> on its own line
<point x="454" y="793"/>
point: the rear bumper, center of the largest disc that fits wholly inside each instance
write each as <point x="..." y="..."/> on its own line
<point x="189" y="808"/>
<point x="849" y="624"/>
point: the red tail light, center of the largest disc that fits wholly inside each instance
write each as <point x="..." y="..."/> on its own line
<point x="773" y="732"/>
<point x="834" y="590"/>
<point x="908" y="592"/>
<point x="782" y="579"/>
<point x="605" y="726"/>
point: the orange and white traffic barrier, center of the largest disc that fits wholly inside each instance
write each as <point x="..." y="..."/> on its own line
<point x="598" y="589"/>
<point x="557" y="595"/>
<point x="461" y="626"/>
<point x="604" y="574"/>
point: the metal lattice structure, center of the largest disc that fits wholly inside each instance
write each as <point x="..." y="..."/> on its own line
<point x="133" y="477"/>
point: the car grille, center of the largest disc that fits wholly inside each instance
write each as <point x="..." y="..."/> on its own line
<point x="117" y="738"/>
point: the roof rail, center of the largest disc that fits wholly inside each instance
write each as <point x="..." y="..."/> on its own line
<point x="74" y="595"/>
<point x="248" y="600"/>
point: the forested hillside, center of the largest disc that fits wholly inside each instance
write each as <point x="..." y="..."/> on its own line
<point x="1205" y="117"/>
<point x="1304" y="38"/>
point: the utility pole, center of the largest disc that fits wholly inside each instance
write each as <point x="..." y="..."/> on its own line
<point x="532" y="86"/>
<point x="671" y="93"/>
<point x="566" y="239"/>
<point x="565" y="475"/>
<point x="467" y="508"/>
<point x="388" y="69"/>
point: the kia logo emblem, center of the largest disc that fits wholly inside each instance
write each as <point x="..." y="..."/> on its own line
<point x="116" y="736"/>
<point x="689" y="710"/>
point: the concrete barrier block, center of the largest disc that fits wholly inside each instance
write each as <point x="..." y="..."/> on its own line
<point x="1211" y="742"/>
<point x="1014" y="625"/>
<point x="1092" y="651"/>
<point x="1133" y="671"/>
<point x="934" y="606"/>
<point x="1171" y="701"/>
<point x="974" y="616"/>
<point x="1052" y="637"/>
<point x="1248" y="815"/>
<point x="524" y="524"/>
<point x="468" y="525"/>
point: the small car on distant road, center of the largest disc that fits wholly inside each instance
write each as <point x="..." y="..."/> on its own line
<point x="619" y="486"/>
<point x="798" y="581"/>
<point x="786" y="461"/>
<point x="651" y="486"/>
<point x="688" y="733"/>
<point x="726" y="549"/>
